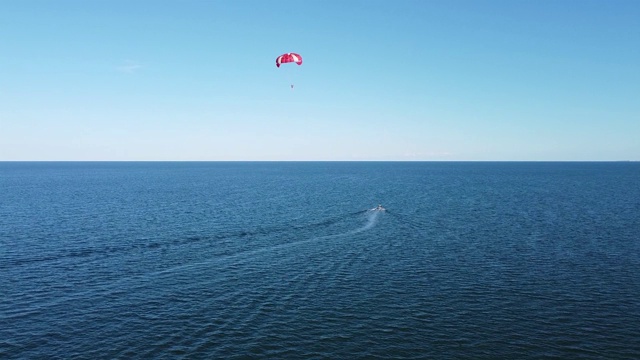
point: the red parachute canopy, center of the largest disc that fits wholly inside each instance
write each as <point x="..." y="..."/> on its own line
<point x="288" y="58"/>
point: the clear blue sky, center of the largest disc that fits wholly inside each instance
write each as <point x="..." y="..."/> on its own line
<point x="381" y="80"/>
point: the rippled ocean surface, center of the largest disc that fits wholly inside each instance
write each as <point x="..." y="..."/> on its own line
<point x="238" y="260"/>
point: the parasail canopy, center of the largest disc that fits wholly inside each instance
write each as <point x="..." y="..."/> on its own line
<point x="289" y="58"/>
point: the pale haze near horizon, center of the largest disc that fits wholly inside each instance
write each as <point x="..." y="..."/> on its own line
<point x="381" y="80"/>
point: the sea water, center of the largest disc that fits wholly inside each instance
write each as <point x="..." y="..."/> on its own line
<point x="236" y="260"/>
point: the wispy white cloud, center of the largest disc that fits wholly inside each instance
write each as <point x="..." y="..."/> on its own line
<point x="129" y="67"/>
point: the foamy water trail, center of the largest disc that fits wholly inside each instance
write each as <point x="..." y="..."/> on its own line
<point x="371" y="219"/>
<point x="371" y="216"/>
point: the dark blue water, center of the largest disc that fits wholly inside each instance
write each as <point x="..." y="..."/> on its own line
<point x="285" y="260"/>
